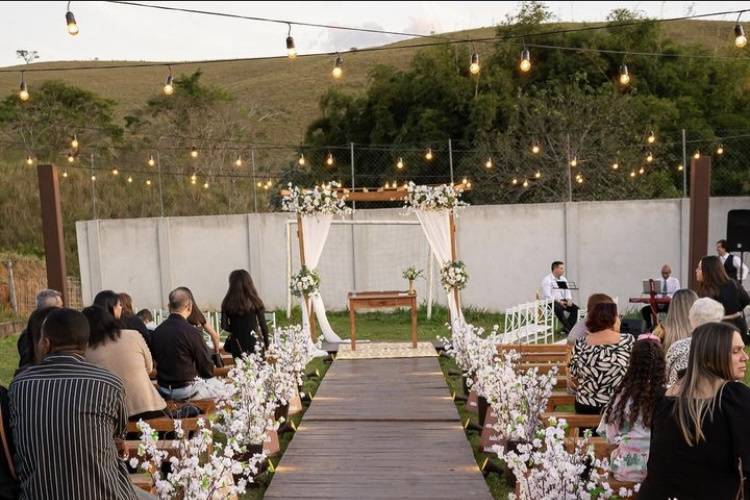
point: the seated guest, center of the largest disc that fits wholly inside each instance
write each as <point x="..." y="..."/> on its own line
<point x="733" y="265"/>
<point x="130" y="320"/>
<point x="562" y="297"/>
<point x="33" y="333"/>
<point x="677" y="325"/>
<point x="700" y="431"/>
<point x="124" y="353"/>
<point x="147" y="318"/>
<point x="703" y="311"/>
<point x="713" y="282"/>
<point x="627" y="418"/>
<point x="198" y="320"/>
<point x="599" y="360"/>
<point x="579" y="329"/>
<point x="181" y="355"/>
<point x="109" y="301"/>
<point x="66" y="414"/>
<point x="8" y="478"/>
<point x="666" y="286"/>
<point x="243" y="315"/>
<point x="26" y="347"/>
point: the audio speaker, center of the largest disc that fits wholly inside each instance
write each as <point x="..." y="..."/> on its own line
<point x="738" y="230"/>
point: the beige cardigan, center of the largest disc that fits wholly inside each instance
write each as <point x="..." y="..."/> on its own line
<point x="129" y="358"/>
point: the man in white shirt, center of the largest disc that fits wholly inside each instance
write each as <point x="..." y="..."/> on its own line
<point x="562" y="296"/>
<point x="666" y="286"/>
<point x="732" y="263"/>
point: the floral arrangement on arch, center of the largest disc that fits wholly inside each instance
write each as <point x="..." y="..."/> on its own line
<point x="305" y="283"/>
<point x="442" y="197"/>
<point x="453" y="275"/>
<point x="322" y="199"/>
<point x="544" y="468"/>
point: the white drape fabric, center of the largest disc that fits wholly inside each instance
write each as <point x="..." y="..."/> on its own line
<point x="436" y="226"/>
<point x="315" y="229"/>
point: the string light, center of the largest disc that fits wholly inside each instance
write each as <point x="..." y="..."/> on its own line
<point x="615" y="166"/>
<point x="148" y="182"/>
<point x="468" y="185"/>
<point x="74" y="142"/>
<point x="205" y="185"/>
<point x="301" y="160"/>
<point x="641" y="170"/>
<point x="632" y="173"/>
<point x="649" y="157"/>
<point x="259" y="184"/>
<point x="168" y="88"/>
<point x="514" y="181"/>
<point x="535" y="149"/>
<point x="23" y="91"/>
<point x="525" y="183"/>
<point x="579" y="179"/>
<point x="65" y="173"/>
<point x="151" y="162"/>
<point x="329" y="160"/>
<point x="428" y="154"/>
<point x="70" y="20"/>
<point x="238" y="161"/>
<point x="338" y="71"/>
<point x="651" y="137"/>
<point x="624" y="75"/>
<point x="71" y="158"/>
<point x="525" y="64"/>
<point x="194" y="152"/>
<point x="720" y="150"/>
<point x="464" y="180"/>
<point x="488" y="163"/>
<point x="680" y="167"/>
<point x="130" y="180"/>
<point x="740" y="40"/>
<point x="474" y="66"/>
<point x="290" y="49"/>
<point x="574" y="162"/>
<point x="400" y="163"/>
<point x="697" y="154"/>
<point x="93" y="178"/>
<point x="29" y="160"/>
<point x="193" y="179"/>
<point x="538" y="175"/>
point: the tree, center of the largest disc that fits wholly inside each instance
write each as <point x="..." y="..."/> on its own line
<point x="27" y="55"/>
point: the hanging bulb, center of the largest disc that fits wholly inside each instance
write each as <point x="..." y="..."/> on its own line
<point x="624" y="75"/>
<point x="525" y="64"/>
<point x="130" y="180"/>
<point x="194" y="152"/>
<point x="259" y="184"/>
<point x="168" y="88"/>
<point x="535" y="149"/>
<point x="65" y="173"/>
<point x="193" y="179"/>
<point x="270" y="183"/>
<point x="488" y="163"/>
<point x="428" y="154"/>
<point x="474" y="66"/>
<point x="93" y="178"/>
<point x="740" y="39"/>
<point x="651" y="137"/>
<point x="29" y="160"/>
<point x="400" y="163"/>
<point x="641" y="170"/>
<point x="205" y="185"/>
<point x="115" y="171"/>
<point x="615" y="166"/>
<point x="238" y="161"/>
<point x="74" y="142"/>
<point x="697" y="154"/>
<point x="538" y="175"/>
<point x="337" y="68"/>
<point x="290" y="49"/>
<point x="70" y="20"/>
<point x="151" y="162"/>
<point x="329" y="160"/>
<point x="468" y="185"/>
<point x="514" y="181"/>
<point x="525" y="183"/>
<point x="579" y="179"/>
<point x="465" y="180"/>
<point x="632" y="173"/>
<point x="71" y="158"/>
<point x="649" y="157"/>
<point x="574" y="162"/>
<point x="680" y="167"/>
<point x="148" y="182"/>
<point x="23" y="91"/>
<point x="720" y="150"/>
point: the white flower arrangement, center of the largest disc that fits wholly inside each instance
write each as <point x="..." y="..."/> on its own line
<point x="305" y="283"/>
<point x="319" y="200"/>
<point x="443" y="197"/>
<point x="201" y="467"/>
<point x="453" y="275"/>
<point x="288" y="354"/>
<point x="411" y="273"/>
<point x="544" y="468"/>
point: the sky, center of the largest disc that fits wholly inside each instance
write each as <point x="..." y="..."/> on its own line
<point x="118" y="32"/>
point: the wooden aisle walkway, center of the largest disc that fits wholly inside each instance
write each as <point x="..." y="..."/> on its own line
<point x="383" y="428"/>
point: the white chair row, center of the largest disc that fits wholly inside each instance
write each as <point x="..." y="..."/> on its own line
<point x="529" y="323"/>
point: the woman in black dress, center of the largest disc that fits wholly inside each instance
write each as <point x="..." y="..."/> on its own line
<point x="713" y="282"/>
<point x="700" y="431"/>
<point x="243" y="315"/>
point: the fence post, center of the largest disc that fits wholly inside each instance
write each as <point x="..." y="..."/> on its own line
<point x="354" y="208"/>
<point x="12" y="286"/>
<point x="93" y="188"/>
<point x="450" y="158"/>
<point x="684" y="165"/>
<point x="161" y="194"/>
<point x="255" y="187"/>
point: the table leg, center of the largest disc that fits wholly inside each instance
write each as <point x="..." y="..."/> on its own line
<point x="352" y="327"/>
<point x="414" y="324"/>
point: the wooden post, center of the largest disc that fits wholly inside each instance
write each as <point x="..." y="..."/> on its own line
<point x="310" y="312"/>
<point x="700" y="192"/>
<point x="454" y="254"/>
<point x="52" y="229"/>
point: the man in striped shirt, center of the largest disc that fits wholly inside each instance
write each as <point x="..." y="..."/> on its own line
<point x="65" y="416"/>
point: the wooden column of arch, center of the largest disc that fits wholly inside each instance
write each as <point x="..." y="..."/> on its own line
<point x="308" y="308"/>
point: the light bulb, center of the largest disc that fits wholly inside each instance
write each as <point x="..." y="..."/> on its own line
<point x="194" y="152"/>
<point x="23" y="91"/>
<point x="329" y="160"/>
<point x="70" y="20"/>
<point x="641" y="170"/>
<point x="535" y="149"/>
<point x="697" y="155"/>
<point x="574" y="162"/>
<point x="525" y="64"/>
<point x="74" y="142"/>
<point x="474" y="66"/>
<point x="238" y="161"/>
<point x="720" y="150"/>
<point x="65" y="173"/>
<point x="624" y="75"/>
<point x="680" y="168"/>
<point x="301" y="160"/>
<point x="205" y="185"/>
<point x="168" y="88"/>
<point x="740" y="39"/>
<point x="632" y="173"/>
<point x="260" y="184"/>
<point x="468" y="185"/>
<point x="615" y="166"/>
<point x="387" y="185"/>
<point x="579" y="180"/>
<point x="193" y="178"/>
<point x="130" y="180"/>
<point x="428" y="154"/>
<point x="337" y="68"/>
<point x="151" y="162"/>
<point x="29" y="160"/>
<point x="115" y="171"/>
<point x="525" y="183"/>
<point x="651" y="138"/>
<point x="488" y="163"/>
<point x="514" y="181"/>
<point x="538" y="174"/>
<point x="148" y="182"/>
<point x="400" y="163"/>
<point x="93" y="178"/>
<point x="291" y="50"/>
<point x="649" y="157"/>
<point x="71" y="158"/>
<point x="464" y="180"/>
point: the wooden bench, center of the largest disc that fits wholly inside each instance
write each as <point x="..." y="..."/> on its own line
<point x="560" y="398"/>
<point x="142" y="481"/>
<point x="166" y="424"/>
<point x="575" y="421"/>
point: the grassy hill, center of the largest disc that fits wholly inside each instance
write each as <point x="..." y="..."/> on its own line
<point x="286" y="92"/>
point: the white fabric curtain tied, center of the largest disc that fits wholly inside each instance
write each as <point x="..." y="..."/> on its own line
<point x="315" y="229"/>
<point x="437" y="230"/>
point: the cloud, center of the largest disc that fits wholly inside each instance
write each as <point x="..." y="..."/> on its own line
<point x="333" y="39"/>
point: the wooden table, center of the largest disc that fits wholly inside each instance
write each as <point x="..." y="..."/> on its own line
<point x="652" y="301"/>
<point x="372" y="300"/>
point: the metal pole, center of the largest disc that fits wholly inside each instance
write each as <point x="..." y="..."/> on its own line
<point x="450" y="158"/>
<point x="684" y="165"/>
<point x="255" y="190"/>
<point x="12" y="287"/>
<point x="354" y="208"/>
<point x="161" y="193"/>
<point x="568" y="167"/>
<point x="93" y="188"/>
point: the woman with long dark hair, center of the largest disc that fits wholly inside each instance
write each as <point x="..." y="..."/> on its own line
<point x="713" y="282"/>
<point x="627" y="418"/>
<point x="130" y="320"/>
<point x="198" y="320"/>
<point x="109" y="301"/>
<point x="243" y="315"/>
<point x="700" y="430"/>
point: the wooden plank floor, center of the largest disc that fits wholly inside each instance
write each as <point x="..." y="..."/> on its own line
<point x="383" y="428"/>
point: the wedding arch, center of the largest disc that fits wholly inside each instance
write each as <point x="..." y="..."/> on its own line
<point x="315" y="209"/>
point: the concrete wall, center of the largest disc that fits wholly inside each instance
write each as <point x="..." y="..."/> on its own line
<point x="607" y="246"/>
